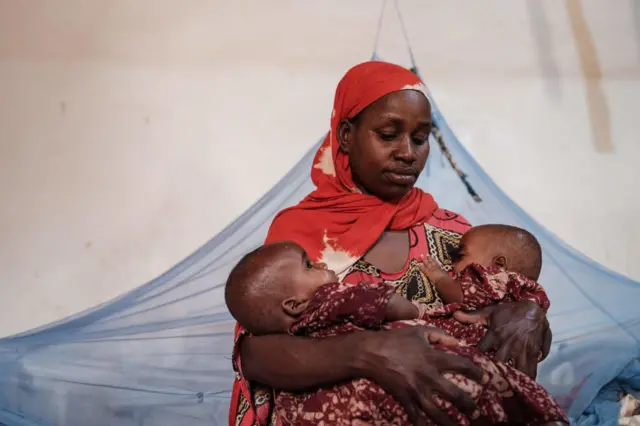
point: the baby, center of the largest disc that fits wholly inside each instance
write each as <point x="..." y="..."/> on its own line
<point x="278" y="289"/>
<point x="494" y="264"/>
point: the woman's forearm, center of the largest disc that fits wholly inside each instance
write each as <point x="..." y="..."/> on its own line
<point x="296" y="363"/>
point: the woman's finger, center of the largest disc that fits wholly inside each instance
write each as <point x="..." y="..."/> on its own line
<point x="488" y="342"/>
<point x="530" y="365"/>
<point x="525" y="363"/>
<point x="409" y="406"/>
<point x="546" y="342"/>
<point x="448" y="363"/>
<point x="432" y="411"/>
<point x="455" y="395"/>
<point x="508" y="349"/>
<point x="531" y="368"/>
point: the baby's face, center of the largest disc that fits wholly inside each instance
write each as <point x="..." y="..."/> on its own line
<point x="474" y="248"/>
<point x="305" y="276"/>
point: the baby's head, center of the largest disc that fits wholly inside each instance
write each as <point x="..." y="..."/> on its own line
<point x="271" y="286"/>
<point x="502" y="246"/>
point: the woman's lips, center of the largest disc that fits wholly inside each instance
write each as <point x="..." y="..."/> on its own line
<point x="402" y="179"/>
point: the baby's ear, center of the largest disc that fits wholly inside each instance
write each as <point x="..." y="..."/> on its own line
<point x="294" y="306"/>
<point x="501" y="262"/>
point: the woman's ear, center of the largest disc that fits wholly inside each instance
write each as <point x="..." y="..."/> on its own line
<point x="501" y="262"/>
<point x="294" y="306"/>
<point x="344" y="134"/>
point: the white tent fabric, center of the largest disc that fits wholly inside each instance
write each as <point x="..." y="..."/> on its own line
<point x="159" y="355"/>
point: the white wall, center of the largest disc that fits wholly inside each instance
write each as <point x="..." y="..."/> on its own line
<point x="132" y="132"/>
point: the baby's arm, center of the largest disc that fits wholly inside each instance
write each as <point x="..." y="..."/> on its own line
<point x="362" y="305"/>
<point x="450" y="290"/>
<point x="480" y="287"/>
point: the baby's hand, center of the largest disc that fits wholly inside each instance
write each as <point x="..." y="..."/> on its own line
<point x="432" y="269"/>
<point x="435" y="335"/>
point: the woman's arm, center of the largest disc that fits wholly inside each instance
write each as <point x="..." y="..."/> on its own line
<point x="295" y="363"/>
<point x="401" y="361"/>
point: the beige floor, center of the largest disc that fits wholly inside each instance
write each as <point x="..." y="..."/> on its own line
<point x="133" y="131"/>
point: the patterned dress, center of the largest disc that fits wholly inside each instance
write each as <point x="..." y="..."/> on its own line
<point x="438" y="238"/>
<point x="507" y="396"/>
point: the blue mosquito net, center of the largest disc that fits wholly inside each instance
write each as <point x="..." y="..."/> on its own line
<point x="160" y="354"/>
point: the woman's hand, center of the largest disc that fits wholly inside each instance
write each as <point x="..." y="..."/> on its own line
<point x="517" y="330"/>
<point x="407" y="366"/>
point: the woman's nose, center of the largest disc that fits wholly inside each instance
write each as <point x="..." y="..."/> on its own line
<point x="321" y="265"/>
<point x="404" y="150"/>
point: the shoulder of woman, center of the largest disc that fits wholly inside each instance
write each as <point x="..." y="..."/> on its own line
<point x="297" y="225"/>
<point x="283" y="227"/>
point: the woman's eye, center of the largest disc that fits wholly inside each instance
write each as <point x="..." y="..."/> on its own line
<point x="308" y="264"/>
<point x="387" y="136"/>
<point x="420" y="139"/>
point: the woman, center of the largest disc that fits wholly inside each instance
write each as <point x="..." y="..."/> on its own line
<point x="366" y="221"/>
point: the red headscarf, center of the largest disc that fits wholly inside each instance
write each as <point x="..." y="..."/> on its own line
<point x="336" y="223"/>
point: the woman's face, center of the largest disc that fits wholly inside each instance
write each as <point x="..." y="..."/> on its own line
<point x="388" y="144"/>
